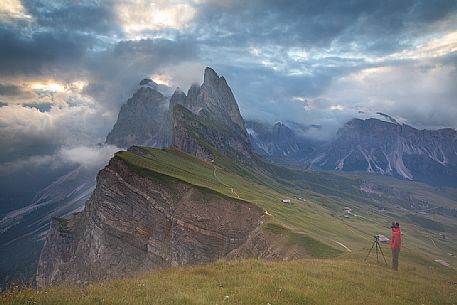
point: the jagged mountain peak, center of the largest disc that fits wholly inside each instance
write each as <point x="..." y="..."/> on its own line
<point x="146" y="118"/>
<point x="372" y="145"/>
<point x="278" y="141"/>
<point x="178" y="98"/>
<point x="387" y="117"/>
<point x="210" y="76"/>
<point x="140" y="119"/>
<point x="146" y="81"/>
<point x="149" y="83"/>
<point x="279" y="124"/>
<point x="179" y="91"/>
<point x="194" y="89"/>
<point x="388" y="148"/>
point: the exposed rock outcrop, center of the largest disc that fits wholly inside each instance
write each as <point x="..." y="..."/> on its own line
<point x="202" y="136"/>
<point x="389" y="148"/>
<point x="134" y="223"/>
<point x="371" y="145"/>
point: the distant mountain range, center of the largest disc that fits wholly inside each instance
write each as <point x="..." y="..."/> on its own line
<point x="371" y="145"/>
<point x="283" y="143"/>
<point x="393" y="149"/>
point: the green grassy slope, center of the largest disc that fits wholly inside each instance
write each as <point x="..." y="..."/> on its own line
<point x="254" y="282"/>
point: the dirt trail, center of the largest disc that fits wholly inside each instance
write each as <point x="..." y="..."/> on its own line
<point x="342" y="245"/>
<point x="227" y="186"/>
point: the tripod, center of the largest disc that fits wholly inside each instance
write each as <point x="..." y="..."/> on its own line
<point x="378" y="249"/>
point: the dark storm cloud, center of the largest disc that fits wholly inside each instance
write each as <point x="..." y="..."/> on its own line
<point x="339" y="38"/>
<point x="88" y="16"/>
<point x="377" y="26"/>
<point x="155" y="49"/>
<point x="115" y="72"/>
<point x="269" y="96"/>
<point x="40" y="52"/>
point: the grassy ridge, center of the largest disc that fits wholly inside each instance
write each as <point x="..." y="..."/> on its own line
<point x="254" y="282"/>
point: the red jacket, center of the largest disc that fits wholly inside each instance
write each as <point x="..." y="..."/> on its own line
<point x="395" y="241"/>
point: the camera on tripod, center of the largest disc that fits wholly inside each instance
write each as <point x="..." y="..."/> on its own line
<point x="377" y="244"/>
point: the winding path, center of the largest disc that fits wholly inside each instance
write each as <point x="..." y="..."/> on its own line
<point x="227" y="186"/>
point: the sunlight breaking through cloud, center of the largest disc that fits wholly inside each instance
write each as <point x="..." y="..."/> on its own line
<point x="137" y="17"/>
<point x="12" y="9"/>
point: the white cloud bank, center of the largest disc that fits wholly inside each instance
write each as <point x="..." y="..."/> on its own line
<point x="419" y="95"/>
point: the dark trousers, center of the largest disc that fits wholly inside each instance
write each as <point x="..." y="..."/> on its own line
<point x="395" y="255"/>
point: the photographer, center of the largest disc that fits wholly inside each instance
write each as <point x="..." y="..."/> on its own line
<point x="395" y="244"/>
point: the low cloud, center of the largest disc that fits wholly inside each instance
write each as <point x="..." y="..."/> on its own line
<point x="26" y="163"/>
<point x="26" y="131"/>
<point x="88" y="157"/>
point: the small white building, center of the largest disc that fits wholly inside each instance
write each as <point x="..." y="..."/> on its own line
<point x="286" y="201"/>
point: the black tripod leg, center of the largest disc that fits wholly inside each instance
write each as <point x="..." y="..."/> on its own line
<point x="377" y="254"/>
<point x="382" y="255"/>
<point x="369" y="252"/>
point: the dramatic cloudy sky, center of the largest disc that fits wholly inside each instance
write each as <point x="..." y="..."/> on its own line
<point x="67" y="66"/>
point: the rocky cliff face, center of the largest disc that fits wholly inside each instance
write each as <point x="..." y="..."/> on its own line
<point x="371" y="145"/>
<point x="207" y="119"/>
<point x="216" y="97"/>
<point x="134" y="223"/>
<point x="389" y="148"/>
<point x="141" y="119"/>
<point x="202" y="136"/>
